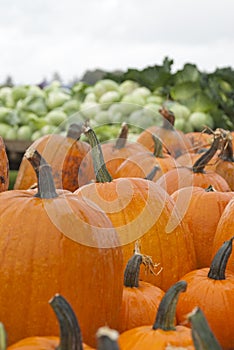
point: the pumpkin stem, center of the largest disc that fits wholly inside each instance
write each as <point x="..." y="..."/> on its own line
<point x="227" y="152"/>
<point x="101" y="172"/>
<point x="210" y="189"/>
<point x="122" y="138"/>
<point x="107" y="339"/>
<point x="3" y="337"/>
<point x="132" y="271"/>
<point x="70" y="333"/>
<point x="152" y="173"/>
<point x="75" y="130"/>
<point x="158" y="148"/>
<point x="46" y="187"/>
<point x="220" y="260"/>
<point x="168" y="118"/>
<point x="203" y="337"/>
<point x="200" y="164"/>
<point x="165" y="318"/>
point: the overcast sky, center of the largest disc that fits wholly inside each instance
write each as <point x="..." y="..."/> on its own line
<point x="39" y="37"/>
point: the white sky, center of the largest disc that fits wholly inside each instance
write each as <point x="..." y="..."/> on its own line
<point x="39" y="37"/>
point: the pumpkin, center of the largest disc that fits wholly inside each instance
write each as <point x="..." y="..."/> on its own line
<point x="70" y="333"/>
<point x="140" y="164"/>
<point x="201" y="214"/>
<point x="140" y="299"/>
<point x="140" y="210"/>
<point x="199" y="140"/>
<point x="174" y="141"/>
<point x="164" y="332"/>
<point x="202" y="335"/>
<point x="52" y="242"/>
<point x="4" y="167"/>
<point x="224" y="232"/>
<point x="212" y="290"/>
<point x="115" y="153"/>
<point x="196" y="176"/>
<point x="66" y="155"/>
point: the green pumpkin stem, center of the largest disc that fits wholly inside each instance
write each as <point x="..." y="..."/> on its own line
<point x="107" y="339"/>
<point x="203" y="337"/>
<point x="220" y="260"/>
<point x="158" y="148"/>
<point x="122" y="138"/>
<point x="3" y="337"/>
<point x="165" y="318"/>
<point x="70" y="333"/>
<point x="201" y="162"/>
<point x="45" y="181"/>
<point x="152" y="173"/>
<point x="132" y="271"/>
<point x="75" y="130"/>
<point x="101" y="172"/>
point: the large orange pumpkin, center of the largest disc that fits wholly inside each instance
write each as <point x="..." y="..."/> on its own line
<point x="140" y="209"/>
<point x="212" y="290"/>
<point x="52" y="242"/>
<point x="4" y="167"/>
<point x="201" y="214"/>
<point x="164" y="333"/>
<point x="70" y="333"/>
<point x="66" y="155"/>
<point x="174" y="141"/>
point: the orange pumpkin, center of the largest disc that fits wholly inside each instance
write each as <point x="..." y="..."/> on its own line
<point x="140" y="209"/>
<point x="196" y="176"/>
<point x="66" y="155"/>
<point x="201" y="214"/>
<point x="115" y="153"/>
<point x="174" y="141"/>
<point x="140" y="299"/>
<point x="4" y="167"/>
<point x="164" y="331"/>
<point x="140" y="164"/>
<point x="212" y="290"/>
<point x="199" y="140"/>
<point x="52" y="242"/>
<point x="70" y="333"/>
<point x="224" y="232"/>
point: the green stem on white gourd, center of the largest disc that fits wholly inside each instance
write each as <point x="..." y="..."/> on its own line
<point x="101" y="172"/>
<point x="70" y="333"/>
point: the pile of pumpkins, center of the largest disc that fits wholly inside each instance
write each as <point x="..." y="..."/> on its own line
<point x="136" y="236"/>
